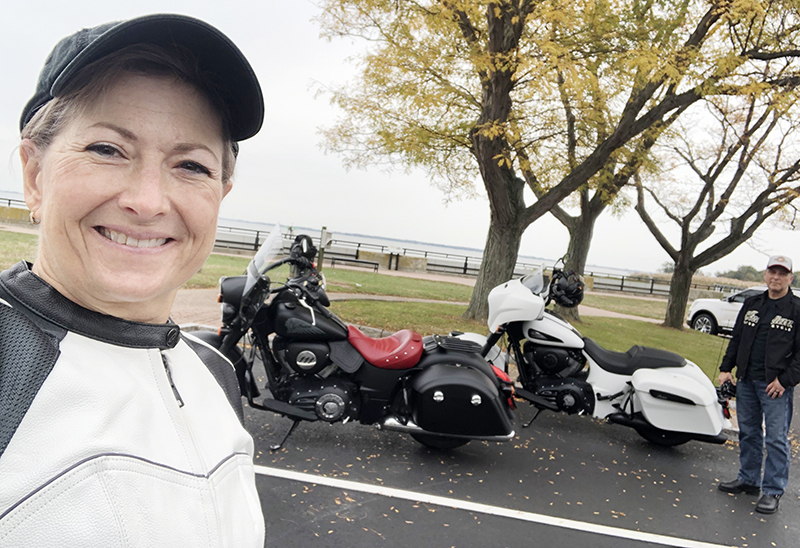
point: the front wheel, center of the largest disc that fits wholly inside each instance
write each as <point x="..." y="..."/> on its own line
<point x="439" y="443"/>
<point x="705" y="323"/>
<point x="665" y="438"/>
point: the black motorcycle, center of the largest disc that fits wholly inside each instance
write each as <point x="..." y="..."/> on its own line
<point x="436" y="388"/>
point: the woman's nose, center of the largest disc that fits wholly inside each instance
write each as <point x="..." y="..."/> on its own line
<point x="146" y="193"/>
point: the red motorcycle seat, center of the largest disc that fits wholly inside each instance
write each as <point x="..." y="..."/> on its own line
<point x="401" y="350"/>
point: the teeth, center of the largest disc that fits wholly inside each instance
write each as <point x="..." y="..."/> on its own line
<point x="123" y="239"/>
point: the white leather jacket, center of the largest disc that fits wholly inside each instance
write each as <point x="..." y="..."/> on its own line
<point x="131" y="439"/>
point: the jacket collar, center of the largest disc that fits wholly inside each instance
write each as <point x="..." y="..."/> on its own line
<point x="780" y="302"/>
<point x="41" y="299"/>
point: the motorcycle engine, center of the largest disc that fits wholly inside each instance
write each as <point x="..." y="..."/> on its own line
<point x="563" y="362"/>
<point x="331" y="399"/>
<point x="304" y="358"/>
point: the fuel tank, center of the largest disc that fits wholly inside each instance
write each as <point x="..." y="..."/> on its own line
<point x="295" y="322"/>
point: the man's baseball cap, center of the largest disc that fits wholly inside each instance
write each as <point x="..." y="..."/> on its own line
<point x="237" y="83"/>
<point x="780" y="260"/>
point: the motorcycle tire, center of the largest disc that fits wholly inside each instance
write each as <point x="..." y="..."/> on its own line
<point x="664" y="438"/>
<point x="439" y="443"/>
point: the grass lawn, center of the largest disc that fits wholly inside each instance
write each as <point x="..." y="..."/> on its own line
<point x="425" y="318"/>
<point x="15" y="247"/>
<point x="656" y="309"/>
<point x="372" y="283"/>
<point x="215" y="267"/>
<point x="339" y="281"/>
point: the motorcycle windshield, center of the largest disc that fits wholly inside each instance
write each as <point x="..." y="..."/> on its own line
<point x="269" y="250"/>
<point x="534" y="281"/>
<point x="266" y="255"/>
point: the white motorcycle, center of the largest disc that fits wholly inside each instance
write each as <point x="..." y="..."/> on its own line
<point x="667" y="399"/>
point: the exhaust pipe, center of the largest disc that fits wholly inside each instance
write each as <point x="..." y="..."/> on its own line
<point x="410" y="427"/>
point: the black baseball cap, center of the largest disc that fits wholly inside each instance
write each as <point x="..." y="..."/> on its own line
<point x="216" y="53"/>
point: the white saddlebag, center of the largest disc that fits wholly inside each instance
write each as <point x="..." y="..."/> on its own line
<point x="680" y="399"/>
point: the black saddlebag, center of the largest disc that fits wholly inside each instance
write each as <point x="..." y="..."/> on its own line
<point x="458" y="400"/>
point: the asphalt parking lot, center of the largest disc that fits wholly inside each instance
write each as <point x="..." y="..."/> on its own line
<point x="564" y="481"/>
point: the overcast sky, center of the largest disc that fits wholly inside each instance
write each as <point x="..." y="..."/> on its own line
<point x="283" y="175"/>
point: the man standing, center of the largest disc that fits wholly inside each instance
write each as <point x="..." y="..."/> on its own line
<point x="764" y="350"/>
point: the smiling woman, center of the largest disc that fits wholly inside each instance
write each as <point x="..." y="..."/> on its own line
<point x="115" y="428"/>
<point x="146" y="161"/>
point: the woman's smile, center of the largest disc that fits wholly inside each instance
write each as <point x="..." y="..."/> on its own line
<point x="130" y="241"/>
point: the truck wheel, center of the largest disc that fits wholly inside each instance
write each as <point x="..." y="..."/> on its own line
<point x="439" y="443"/>
<point x="665" y="438"/>
<point x="705" y="323"/>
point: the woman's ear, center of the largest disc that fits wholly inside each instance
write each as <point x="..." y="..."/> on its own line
<point x="31" y="158"/>
<point x="226" y="187"/>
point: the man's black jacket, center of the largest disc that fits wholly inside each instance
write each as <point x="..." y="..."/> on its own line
<point x="783" y="341"/>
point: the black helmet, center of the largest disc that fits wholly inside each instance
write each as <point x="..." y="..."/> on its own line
<point x="303" y="247"/>
<point x="566" y="288"/>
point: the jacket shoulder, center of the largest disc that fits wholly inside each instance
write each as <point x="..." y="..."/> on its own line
<point x="755" y="300"/>
<point x="27" y="356"/>
<point x="222" y="370"/>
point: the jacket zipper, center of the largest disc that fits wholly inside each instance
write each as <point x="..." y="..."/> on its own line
<point x="171" y="382"/>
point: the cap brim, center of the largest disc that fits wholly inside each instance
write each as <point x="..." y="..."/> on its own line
<point x="238" y="85"/>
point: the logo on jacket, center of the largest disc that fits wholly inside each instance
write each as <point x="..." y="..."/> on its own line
<point x="751" y="318"/>
<point x="779" y="322"/>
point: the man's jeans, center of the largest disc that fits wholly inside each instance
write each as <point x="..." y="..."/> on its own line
<point x="754" y="407"/>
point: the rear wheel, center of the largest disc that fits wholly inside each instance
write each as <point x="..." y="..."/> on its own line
<point x="705" y="323"/>
<point x="439" y="443"/>
<point x="665" y="438"/>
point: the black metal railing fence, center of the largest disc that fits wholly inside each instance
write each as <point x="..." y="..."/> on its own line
<point x="452" y="263"/>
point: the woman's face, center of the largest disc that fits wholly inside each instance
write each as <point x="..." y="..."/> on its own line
<point x="128" y="195"/>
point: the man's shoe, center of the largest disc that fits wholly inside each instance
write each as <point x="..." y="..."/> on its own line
<point x="738" y="486"/>
<point x="768" y="504"/>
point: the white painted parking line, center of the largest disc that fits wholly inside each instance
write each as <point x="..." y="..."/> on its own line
<point x="485" y="509"/>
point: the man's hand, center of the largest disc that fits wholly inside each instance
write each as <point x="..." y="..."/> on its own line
<point x="775" y="389"/>
<point x="726" y="376"/>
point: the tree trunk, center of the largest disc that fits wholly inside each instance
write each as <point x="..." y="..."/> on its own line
<point x="499" y="259"/>
<point x="678" y="294"/>
<point x="581" y="230"/>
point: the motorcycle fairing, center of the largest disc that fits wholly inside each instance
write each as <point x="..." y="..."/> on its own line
<point x="637" y="357"/>
<point x="513" y="302"/>
<point x="402" y="350"/>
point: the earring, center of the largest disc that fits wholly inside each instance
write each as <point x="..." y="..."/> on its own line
<point x="34" y="220"/>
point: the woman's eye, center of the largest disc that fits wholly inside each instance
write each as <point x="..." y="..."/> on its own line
<point x="103" y="149"/>
<point x="194" y="167"/>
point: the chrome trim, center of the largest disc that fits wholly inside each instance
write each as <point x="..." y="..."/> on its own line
<point x="394" y="425"/>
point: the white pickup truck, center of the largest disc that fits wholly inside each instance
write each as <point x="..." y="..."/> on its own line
<point x="718" y="315"/>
